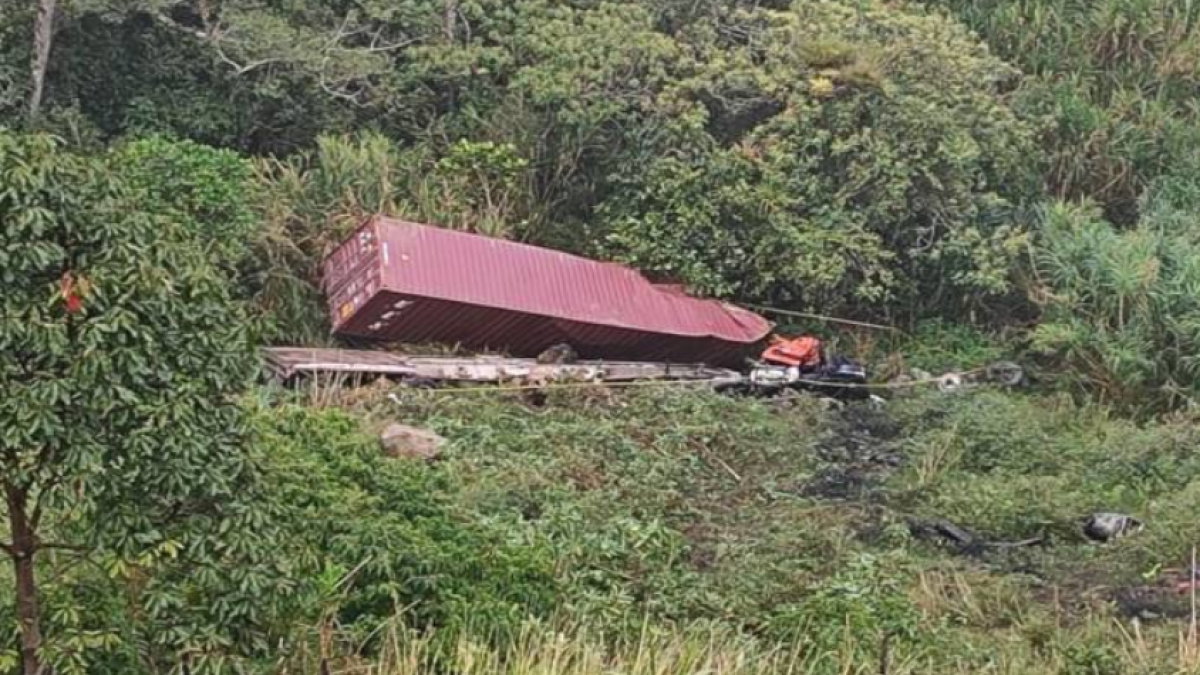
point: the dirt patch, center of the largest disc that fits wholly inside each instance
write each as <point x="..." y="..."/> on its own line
<point x="838" y="484"/>
<point x="860" y="450"/>
<point x="1152" y="602"/>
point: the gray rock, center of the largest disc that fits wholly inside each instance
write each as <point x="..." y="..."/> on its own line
<point x="401" y="441"/>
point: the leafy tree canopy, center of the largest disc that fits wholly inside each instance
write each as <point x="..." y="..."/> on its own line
<point x="122" y="356"/>
<point x="834" y="155"/>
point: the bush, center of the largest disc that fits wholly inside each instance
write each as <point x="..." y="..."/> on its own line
<point x="1121" y="311"/>
<point x="376" y="539"/>
<point x="841" y="155"/>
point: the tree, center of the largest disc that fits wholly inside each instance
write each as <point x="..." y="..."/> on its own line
<point x="122" y="354"/>
<point x="43" y="36"/>
<point x="175" y="65"/>
<point x="835" y="155"/>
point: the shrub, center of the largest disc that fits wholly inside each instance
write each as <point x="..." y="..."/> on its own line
<point x="1121" y="311"/>
<point x="841" y="155"/>
<point x="858" y="610"/>
<point x="376" y="538"/>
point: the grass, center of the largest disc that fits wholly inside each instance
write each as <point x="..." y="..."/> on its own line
<point x="542" y="649"/>
<point x="661" y="530"/>
<point x="694" y="533"/>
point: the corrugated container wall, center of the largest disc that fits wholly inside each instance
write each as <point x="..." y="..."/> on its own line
<point x="395" y="281"/>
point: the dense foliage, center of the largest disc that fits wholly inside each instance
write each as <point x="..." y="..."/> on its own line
<point x="1111" y="85"/>
<point x="122" y="352"/>
<point x="377" y="539"/>
<point x="1011" y="178"/>
<point x="869" y="158"/>
<point x="841" y="156"/>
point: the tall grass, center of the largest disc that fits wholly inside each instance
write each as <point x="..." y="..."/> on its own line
<point x="1120" y="308"/>
<point x="1100" y="646"/>
<point x="310" y="202"/>
<point x="1114" y="81"/>
<point x="544" y="650"/>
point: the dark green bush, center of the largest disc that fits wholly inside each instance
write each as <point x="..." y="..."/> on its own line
<point x="376" y="539"/>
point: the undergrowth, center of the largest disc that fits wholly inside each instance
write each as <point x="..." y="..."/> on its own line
<point x="668" y="531"/>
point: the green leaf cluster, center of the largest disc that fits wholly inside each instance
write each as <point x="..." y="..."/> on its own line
<point x="123" y="434"/>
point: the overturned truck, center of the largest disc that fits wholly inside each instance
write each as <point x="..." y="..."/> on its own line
<point x="393" y="281"/>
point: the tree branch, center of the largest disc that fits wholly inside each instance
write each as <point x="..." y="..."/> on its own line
<point x="176" y="26"/>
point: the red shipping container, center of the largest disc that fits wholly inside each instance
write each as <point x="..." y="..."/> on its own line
<point x="395" y="281"/>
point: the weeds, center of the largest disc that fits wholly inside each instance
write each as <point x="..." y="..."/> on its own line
<point x="665" y="560"/>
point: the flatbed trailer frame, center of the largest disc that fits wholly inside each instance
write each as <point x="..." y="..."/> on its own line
<point x="288" y="364"/>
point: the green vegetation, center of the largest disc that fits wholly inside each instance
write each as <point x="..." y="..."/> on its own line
<point x="1000" y="179"/>
<point x="123" y="353"/>
<point x="762" y="536"/>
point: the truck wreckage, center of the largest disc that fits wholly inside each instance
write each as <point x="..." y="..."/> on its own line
<point x="557" y="318"/>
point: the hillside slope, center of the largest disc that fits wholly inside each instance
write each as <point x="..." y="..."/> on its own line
<point x="820" y="531"/>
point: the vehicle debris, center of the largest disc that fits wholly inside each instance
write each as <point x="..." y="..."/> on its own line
<point x="941" y="529"/>
<point x="564" y="319"/>
<point x="561" y="353"/>
<point x="288" y="364"/>
<point x="1104" y="527"/>
<point x="1160" y="599"/>
<point x="951" y="383"/>
<point x="960" y="537"/>
<point x="1005" y="374"/>
<point x="802" y="363"/>
<point x="1184" y="580"/>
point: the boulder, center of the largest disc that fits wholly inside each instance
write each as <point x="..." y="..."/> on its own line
<point x="401" y="441"/>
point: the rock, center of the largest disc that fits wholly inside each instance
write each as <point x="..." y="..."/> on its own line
<point x="408" y="442"/>
<point x="1109" y="526"/>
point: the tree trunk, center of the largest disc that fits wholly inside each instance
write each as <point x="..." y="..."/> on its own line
<point x="43" y="34"/>
<point x="450" y="19"/>
<point x="24" y="546"/>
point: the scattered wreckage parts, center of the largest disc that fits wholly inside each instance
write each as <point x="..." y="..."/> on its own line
<point x="1099" y="527"/>
<point x="999" y="373"/>
<point x="287" y="364"/>
<point x="961" y="538"/>
<point x="837" y="379"/>
<point x="1105" y="527"/>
